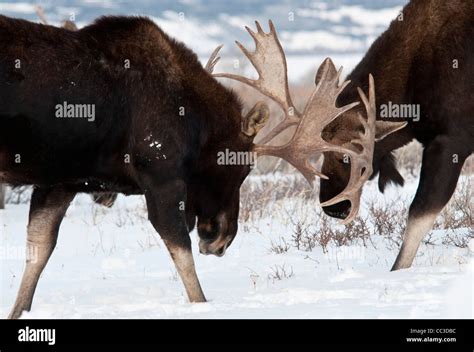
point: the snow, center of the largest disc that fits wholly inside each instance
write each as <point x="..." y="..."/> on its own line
<point x="18" y="7"/>
<point x="110" y="263"/>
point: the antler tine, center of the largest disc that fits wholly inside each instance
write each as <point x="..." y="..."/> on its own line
<point x="40" y="12"/>
<point x="279" y="128"/>
<point x="361" y="163"/>
<point x="259" y="28"/>
<point x="213" y="59"/>
<point x="269" y="61"/>
<point x="299" y="161"/>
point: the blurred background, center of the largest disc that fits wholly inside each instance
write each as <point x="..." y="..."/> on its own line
<point x="309" y="29"/>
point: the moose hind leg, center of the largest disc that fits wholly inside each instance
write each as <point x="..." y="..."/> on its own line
<point x="47" y="209"/>
<point x="440" y="171"/>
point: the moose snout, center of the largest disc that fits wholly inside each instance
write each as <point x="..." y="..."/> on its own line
<point x="212" y="241"/>
<point x="330" y="189"/>
<point x="208" y="249"/>
<point x="215" y="235"/>
<point x="216" y="248"/>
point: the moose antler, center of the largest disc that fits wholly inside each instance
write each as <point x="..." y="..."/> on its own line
<point x="40" y="12"/>
<point x="307" y="142"/>
<point x="361" y="162"/>
<point x="213" y="59"/>
<point x="270" y="62"/>
<point x="69" y="25"/>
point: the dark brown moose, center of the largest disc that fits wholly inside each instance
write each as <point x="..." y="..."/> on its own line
<point x="424" y="61"/>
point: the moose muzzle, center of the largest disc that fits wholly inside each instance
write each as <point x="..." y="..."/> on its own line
<point x="215" y="235"/>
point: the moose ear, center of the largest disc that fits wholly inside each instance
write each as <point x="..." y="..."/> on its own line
<point x="384" y="128"/>
<point x="327" y="65"/>
<point x="256" y="119"/>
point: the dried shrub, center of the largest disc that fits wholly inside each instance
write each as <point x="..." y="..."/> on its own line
<point x="280" y="272"/>
<point x="279" y="247"/>
<point x="389" y="220"/>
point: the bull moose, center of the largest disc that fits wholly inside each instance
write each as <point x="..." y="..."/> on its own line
<point x="426" y="59"/>
<point x="160" y="120"/>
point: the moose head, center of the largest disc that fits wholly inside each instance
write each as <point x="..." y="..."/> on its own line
<point x="307" y="143"/>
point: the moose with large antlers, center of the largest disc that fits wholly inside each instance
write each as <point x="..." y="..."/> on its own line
<point x="160" y="121"/>
<point x="426" y="59"/>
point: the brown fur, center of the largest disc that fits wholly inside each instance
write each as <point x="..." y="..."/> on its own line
<point x="412" y="63"/>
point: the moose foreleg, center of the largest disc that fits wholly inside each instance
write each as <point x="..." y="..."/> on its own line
<point x="167" y="214"/>
<point x="47" y="209"/>
<point x="440" y="171"/>
<point x="417" y="228"/>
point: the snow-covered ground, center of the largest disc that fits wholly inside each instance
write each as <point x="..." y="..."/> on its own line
<point x="111" y="264"/>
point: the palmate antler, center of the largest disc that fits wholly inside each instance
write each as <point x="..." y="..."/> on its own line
<point x="307" y="142"/>
<point x="270" y="62"/>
